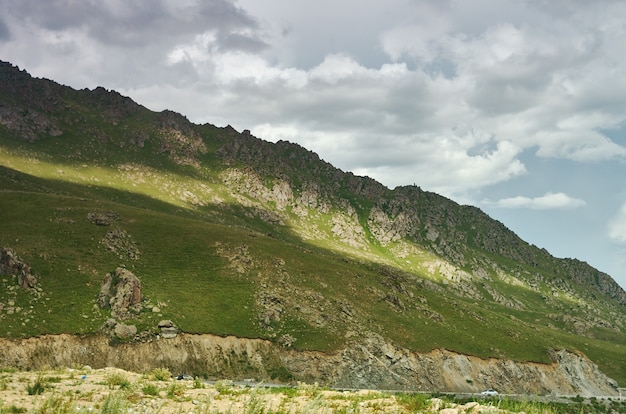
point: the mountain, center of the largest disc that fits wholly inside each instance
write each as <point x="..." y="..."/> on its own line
<point x="132" y="227"/>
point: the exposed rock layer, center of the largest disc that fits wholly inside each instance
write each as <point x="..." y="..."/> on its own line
<point x="367" y="363"/>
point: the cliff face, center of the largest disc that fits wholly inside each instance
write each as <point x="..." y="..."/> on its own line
<point x="369" y="363"/>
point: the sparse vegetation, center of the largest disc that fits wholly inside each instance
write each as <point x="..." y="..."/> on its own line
<point x="114" y="404"/>
<point x="37" y="387"/>
<point x="414" y="402"/>
<point x="197" y="383"/>
<point x="150" y="389"/>
<point x="176" y="389"/>
<point x="94" y="395"/>
<point x="160" y="374"/>
<point x="117" y="379"/>
<point x="11" y="409"/>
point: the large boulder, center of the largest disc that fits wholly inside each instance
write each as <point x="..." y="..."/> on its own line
<point x="122" y="330"/>
<point x="121" y="291"/>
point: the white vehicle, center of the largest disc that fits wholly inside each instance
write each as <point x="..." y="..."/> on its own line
<point x="489" y="393"/>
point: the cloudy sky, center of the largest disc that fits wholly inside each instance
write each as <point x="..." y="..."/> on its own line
<point x="515" y="106"/>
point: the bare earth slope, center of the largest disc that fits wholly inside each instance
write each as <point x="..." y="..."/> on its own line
<point x="373" y="363"/>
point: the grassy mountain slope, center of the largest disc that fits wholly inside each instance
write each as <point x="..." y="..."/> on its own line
<point x="234" y="235"/>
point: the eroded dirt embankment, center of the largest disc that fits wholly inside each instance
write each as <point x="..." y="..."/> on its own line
<point x="367" y="363"/>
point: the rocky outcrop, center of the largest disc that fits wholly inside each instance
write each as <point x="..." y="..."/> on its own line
<point x="12" y="265"/>
<point x="116" y="329"/>
<point x="168" y="329"/>
<point x="121" y="291"/>
<point x="120" y="243"/>
<point x="103" y="218"/>
<point x="368" y="362"/>
<point x="28" y="124"/>
<point x="373" y="361"/>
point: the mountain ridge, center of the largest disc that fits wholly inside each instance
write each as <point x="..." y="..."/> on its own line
<point x="492" y="241"/>
<point x="422" y="263"/>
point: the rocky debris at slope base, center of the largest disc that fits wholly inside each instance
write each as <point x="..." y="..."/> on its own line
<point x="122" y="330"/>
<point x="369" y="362"/>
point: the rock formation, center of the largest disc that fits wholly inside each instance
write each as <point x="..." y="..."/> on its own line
<point x="168" y="329"/>
<point x="104" y="218"/>
<point x="120" y="243"/>
<point x="12" y="265"/>
<point x="121" y="291"/>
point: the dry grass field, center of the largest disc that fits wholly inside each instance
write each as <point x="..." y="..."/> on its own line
<point x="115" y="391"/>
<point x="111" y="390"/>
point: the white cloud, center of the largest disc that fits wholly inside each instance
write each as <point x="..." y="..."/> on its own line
<point x="578" y="146"/>
<point x="421" y="41"/>
<point x="549" y="201"/>
<point x="454" y="98"/>
<point x="617" y="226"/>
<point x="195" y="52"/>
<point x="558" y="80"/>
<point x="458" y="97"/>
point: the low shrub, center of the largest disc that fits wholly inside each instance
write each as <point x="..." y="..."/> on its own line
<point x="114" y="404"/>
<point x="197" y="383"/>
<point x="36" y="388"/>
<point x="176" y="389"/>
<point x="12" y="409"/>
<point x="150" y="389"/>
<point x="117" y="379"/>
<point x="55" y="404"/>
<point x="414" y="402"/>
<point x="161" y="374"/>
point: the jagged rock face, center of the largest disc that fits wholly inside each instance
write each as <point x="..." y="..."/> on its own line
<point x="372" y="361"/>
<point x="121" y="291"/>
<point x="44" y="104"/>
<point x="28" y="124"/>
<point x="462" y="236"/>
<point x="10" y="264"/>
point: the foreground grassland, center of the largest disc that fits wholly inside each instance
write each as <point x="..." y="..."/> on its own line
<point x="111" y="391"/>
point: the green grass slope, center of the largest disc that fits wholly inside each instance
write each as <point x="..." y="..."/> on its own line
<point x="232" y="235"/>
